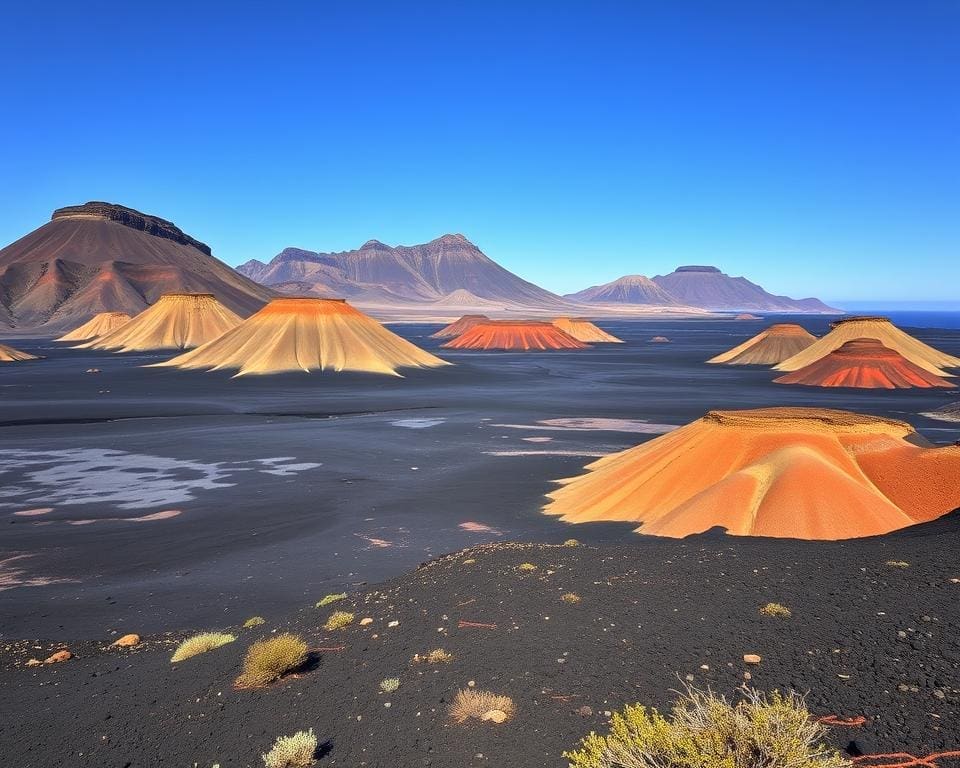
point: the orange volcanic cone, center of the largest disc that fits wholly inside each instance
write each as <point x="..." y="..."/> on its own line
<point x="11" y="355"/>
<point x="866" y="364"/>
<point x="807" y="473"/>
<point x="584" y="330"/>
<point x="881" y="329"/>
<point x="774" y="345"/>
<point x="308" y="334"/>
<point x="98" y="325"/>
<point x="457" y="327"/>
<point x="176" y="321"/>
<point x="515" y="335"/>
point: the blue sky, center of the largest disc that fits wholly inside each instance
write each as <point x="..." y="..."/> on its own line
<point x="813" y="146"/>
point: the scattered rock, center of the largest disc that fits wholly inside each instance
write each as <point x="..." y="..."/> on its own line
<point x="59" y="656"/>
<point x="751" y="658"/>
<point x="585" y="711"/>
<point x="127" y="641"/>
<point x="364" y="622"/>
<point x="394" y="623"/>
<point x="34" y="663"/>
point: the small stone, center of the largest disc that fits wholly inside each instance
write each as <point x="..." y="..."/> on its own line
<point x="751" y="658"/>
<point x="34" y="663"/>
<point x="747" y="676"/>
<point x="471" y="683"/>
<point x="585" y="711"/>
<point x="689" y="678"/>
<point x="705" y="667"/>
<point x="127" y="641"/>
<point x="386" y="704"/>
<point x="59" y="656"/>
<point x="364" y="622"/>
<point x="939" y="694"/>
<point x="494" y="716"/>
<point x="394" y="623"/>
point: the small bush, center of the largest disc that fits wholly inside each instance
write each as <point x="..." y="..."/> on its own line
<point x="254" y="621"/>
<point x="526" y="567"/>
<point x="390" y="684"/>
<point x="328" y="599"/>
<point x="268" y="660"/>
<point x="206" y="641"/>
<point x="436" y="656"/>
<point x="705" y="731"/>
<point x="571" y="543"/>
<point x="338" y="620"/>
<point x="570" y="597"/>
<point x="898" y="563"/>
<point x="294" y="751"/>
<point x="471" y="703"/>
<point x="776" y="610"/>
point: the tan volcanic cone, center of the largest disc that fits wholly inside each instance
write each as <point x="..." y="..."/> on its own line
<point x="11" y="355"/>
<point x="584" y="330"/>
<point x="807" y="473"/>
<point x="774" y="345"/>
<point x="176" y="321"/>
<point x="308" y="334"/>
<point x="98" y="325"/>
<point x="515" y="335"/>
<point x="881" y="329"/>
<point x="866" y="364"/>
<point x="457" y="327"/>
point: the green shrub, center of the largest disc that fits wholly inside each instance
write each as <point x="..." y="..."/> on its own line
<point x="526" y="567"/>
<point x="295" y="751"/>
<point x="268" y="660"/>
<point x="705" y="731"/>
<point x="776" y="610"/>
<point x="390" y="684"/>
<point x="338" y="620"/>
<point x="328" y="599"/>
<point x="254" y="621"/>
<point x="206" y="641"/>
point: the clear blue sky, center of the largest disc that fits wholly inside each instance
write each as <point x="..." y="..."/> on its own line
<point x="812" y="145"/>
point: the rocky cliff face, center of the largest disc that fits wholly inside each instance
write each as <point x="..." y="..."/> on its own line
<point x="152" y="225"/>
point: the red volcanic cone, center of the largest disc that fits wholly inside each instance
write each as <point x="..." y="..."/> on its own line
<point x="515" y="335"/>
<point x="457" y="327"/>
<point x="865" y="364"/>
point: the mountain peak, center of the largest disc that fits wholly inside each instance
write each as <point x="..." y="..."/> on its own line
<point x="374" y="245"/>
<point x="698" y="268"/>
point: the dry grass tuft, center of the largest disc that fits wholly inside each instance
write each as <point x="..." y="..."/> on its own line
<point x="571" y="543"/>
<point x="570" y="597"/>
<point x="898" y="563"/>
<point x="705" y="731"/>
<point x="436" y="656"/>
<point x="206" y="641"/>
<point x="776" y="610"/>
<point x="269" y="660"/>
<point x="526" y="567"/>
<point x="471" y="703"/>
<point x="338" y="620"/>
<point x="295" y="751"/>
<point x="326" y="600"/>
<point x="254" y="621"/>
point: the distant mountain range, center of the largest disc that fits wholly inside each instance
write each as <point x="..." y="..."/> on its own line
<point x="448" y="271"/>
<point x="101" y="257"/>
<point x="697" y="286"/>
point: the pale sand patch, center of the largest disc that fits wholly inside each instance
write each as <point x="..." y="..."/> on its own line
<point x="12" y="576"/>
<point x="34" y="512"/>
<point x="164" y="515"/>
<point x="374" y="542"/>
<point x="473" y="527"/>
<point x="588" y="424"/>
<point x="536" y="439"/>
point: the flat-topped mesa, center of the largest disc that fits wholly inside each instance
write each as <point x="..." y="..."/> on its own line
<point x="772" y="345"/>
<point x="807" y="473"/>
<point x="460" y="326"/>
<point x="697" y="268"/>
<point x="307" y="334"/>
<point x="864" y="364"/>
<point x="583" y="330"/>
<point x="152" y="225"/>
<point x="515" y="336"/>
<point x="882" y="330"/>
<point x="99" y="325"/>
<point x="175" y="321"/>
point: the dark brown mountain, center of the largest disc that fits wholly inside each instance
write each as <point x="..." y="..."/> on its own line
<point x="442" y="271"/>
<point x="630" y="289"/>
<point x="709" y="288"/>
<point x="102" y="257"/>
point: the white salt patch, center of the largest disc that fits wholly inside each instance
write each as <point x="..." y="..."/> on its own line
<point x="34" y="512"/>
<point x="417" y="423"/>
<point x="637" y="426"/>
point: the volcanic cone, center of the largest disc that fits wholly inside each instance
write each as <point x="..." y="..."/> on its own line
<point x="308" y="334"/>
<point x="99" y="325"/>
<point x="866" y="364"/>
<point x="881" y="329"/>
<point x="515" y="335"/>
<point x="584" y="330"/>
<point x="773" y="345"/>
<point x="176" y="321"/>
<point x="11" y="355"/>
<point x="457" y="327"/>
<point x="805" y="473"/>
